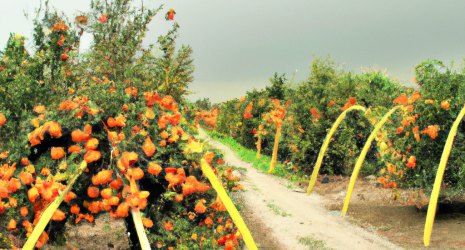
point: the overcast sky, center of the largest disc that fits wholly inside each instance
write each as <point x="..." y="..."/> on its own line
<point x="239" y="44"/>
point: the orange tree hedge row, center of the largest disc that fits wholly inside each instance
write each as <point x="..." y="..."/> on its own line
<point x="406" y="151"/>
<point x="118" y="107"/>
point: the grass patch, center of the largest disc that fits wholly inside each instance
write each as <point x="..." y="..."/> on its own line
<point x="313" y="244"/>
<point x="106" y="227"/>
<point x="388" y="227"/>
<point x="278" y="210"/>
<point x="238" y="168"/>
<point x="250" y="156"/>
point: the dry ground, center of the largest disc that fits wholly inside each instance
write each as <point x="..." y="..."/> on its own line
<point x="374" y="209"/>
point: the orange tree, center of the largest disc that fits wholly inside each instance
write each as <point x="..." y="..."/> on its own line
<point x="403" y="150"/>
<point x="418" y="137"/>
<point x="250" y="113"/>
<point x="129" y="169"/>
<point x="314" y="105"/>
<point x="61" y="107"/>
<point x="318" y="103"/>
<point x="239" y="117"/>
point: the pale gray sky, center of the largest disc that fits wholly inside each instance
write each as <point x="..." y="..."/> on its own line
<point x="238" y="45"/>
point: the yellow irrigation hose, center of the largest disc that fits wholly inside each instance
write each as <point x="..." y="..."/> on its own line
<point x="144" y="242"/>
<point x="361" y="158"/>
<point x="312" y="182"/>
<point x="437" y="183"/>
<point x="52" y="207"/>
<point x="275" y="150"/>
<point x="259" y="146"/>
<point x="260" y="132"/>
<point x="229" y="205"/>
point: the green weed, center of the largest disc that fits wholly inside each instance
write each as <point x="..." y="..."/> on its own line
<point x="238" y="168"/>
<point x="388" y="227"/>
<point x="106" y="227"/>
<point x="278" y="210"/>
<point x="313" y="244"/>
<point x="251" y="156"/>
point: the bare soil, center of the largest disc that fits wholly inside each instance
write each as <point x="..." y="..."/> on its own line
<point x="261" y="233"/>
<point x="394" y="213"/>
<point x="106" y="233"/>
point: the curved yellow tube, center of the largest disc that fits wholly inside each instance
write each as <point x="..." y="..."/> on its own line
<point x="361" y="158"/>
<point x="207" y="171"/>
<point x="433" y="201"/>
<point x="275" y="150"/>
<point x="144" y="242"/>
<point x="259" y="146"/>
<point x="52" y="207"/>
<point x="321" y="155"/>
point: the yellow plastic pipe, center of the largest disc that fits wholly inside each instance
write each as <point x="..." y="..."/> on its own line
<point x="259" y="134"/>
<point x="52" y="207"/>
<point x="144" y="242"/>
<point x="433" y="201"/>
<point x="275" y="150"/>
<point x="259" y="146"/>
<point x="321" y="155"/>
<point x="207" y="171"/>
<point x="361" y="158"/>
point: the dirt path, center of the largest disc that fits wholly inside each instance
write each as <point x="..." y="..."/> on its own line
<point x="308" y="217"/>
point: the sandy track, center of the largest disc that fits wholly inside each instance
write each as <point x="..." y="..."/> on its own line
<point x="309" y="217"/>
